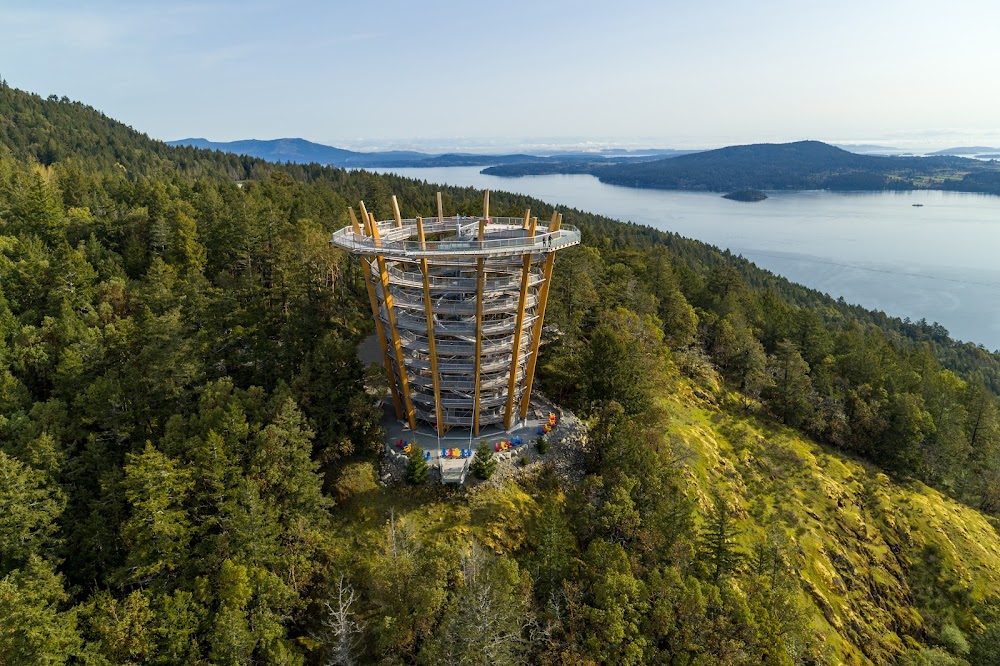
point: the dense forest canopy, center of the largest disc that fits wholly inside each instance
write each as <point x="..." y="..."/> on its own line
<point x="189" y="456"/>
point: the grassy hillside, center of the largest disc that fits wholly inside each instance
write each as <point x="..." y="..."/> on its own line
<point x="870" y="554"/>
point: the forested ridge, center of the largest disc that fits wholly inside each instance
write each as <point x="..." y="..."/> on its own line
<point x="801" y="165"/>
<point x="189" y="456"/>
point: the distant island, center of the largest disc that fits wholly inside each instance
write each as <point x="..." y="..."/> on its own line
<point x="539" y="168"/>
<point x="745" y="194"/>
<point x="802" y="165"/>
<point x="965" y="150"/>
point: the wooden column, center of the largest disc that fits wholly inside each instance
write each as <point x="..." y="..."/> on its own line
<point x="366" y="270"/>
<point x="480" y="279"/>
<point x="397" y="346"/>
<point x="429" y="313"/>
<point x="536" y="334"/>
<point x="395" y="212"/>
<point x="516" y="349"/>
<point x="440" y="209"/>
<point x="354" y="222"/>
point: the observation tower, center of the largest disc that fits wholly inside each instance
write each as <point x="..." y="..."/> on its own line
<point x="458" y="304"/>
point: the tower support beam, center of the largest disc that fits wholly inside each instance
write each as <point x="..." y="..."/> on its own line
<point x="522" y="300"/>
<point x="366" y="271"/>
<point x="536" y="334"/>
<point x="391" y="316"/>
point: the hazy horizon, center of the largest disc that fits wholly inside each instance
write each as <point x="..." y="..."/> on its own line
<point x="635" y="74"/>
<point x="543" y="145"/>
<point x="926" y="143"/>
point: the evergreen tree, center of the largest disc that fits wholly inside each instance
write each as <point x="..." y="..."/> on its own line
<point x="623" y="360"/>
<point x="29" y="507"/>
<point x="616" y="603"/>
<point x="120" y="632"/>
<point x="484" y="463"/>
<point x="553" y="545"/>
<point x="33" y="627"/>
<point x="985" y="648"/>
<point x="717" y="547"/>
<point x="416" y="467"/>
<point x="159" y="530"/>
<point x="791" y="391"/>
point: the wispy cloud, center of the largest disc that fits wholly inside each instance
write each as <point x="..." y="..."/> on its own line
<point x="96" y="28"/>
<point x="34" y="28"/>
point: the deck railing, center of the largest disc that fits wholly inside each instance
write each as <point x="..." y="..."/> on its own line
<point x="504" y="235"/>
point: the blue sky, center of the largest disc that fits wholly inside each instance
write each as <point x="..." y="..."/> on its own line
<point x="371" y="74"/>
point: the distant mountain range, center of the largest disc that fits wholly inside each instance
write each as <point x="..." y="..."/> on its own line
<point x="302" y="151"/>
<point x="801" y="165"/>
<point x="766" y="166"/>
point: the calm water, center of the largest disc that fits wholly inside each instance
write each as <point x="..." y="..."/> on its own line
<point x="938" y="261"/>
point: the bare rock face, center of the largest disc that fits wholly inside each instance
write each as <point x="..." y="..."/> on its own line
<point x="393" y="469"/>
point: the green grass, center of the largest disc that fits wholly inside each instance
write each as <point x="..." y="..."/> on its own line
<point x="859" y="537"/>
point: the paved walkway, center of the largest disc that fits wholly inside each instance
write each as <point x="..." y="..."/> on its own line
<point x="426" y="438"/>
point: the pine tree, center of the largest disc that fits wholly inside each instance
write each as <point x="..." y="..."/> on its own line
<point x="118" y="630"/>
<point x="484" y="464"/>
<point x="159" y="530"/>
<point x="717" y="543"/>
<point x="792" y="387"/>
<point x="33" y="630"/>
<point x="29" y="508"/>
<point x="417" y="469"/>
<point x="553" y="544"/>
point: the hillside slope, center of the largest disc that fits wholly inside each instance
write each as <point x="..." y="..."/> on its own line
<point x="870" y="554"/>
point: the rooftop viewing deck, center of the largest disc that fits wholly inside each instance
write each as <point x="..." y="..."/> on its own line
<point x="504" y="236"/>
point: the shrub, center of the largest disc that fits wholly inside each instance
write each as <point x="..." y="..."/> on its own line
<point x="356" y="478"/>
<point x="484" y="464"/>
<point x="985" y="648"/>
<point x="542" y="445"/>
<point x="954" y="640"/>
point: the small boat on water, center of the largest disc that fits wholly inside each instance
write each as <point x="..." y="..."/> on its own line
<point x="917" y="205"/>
